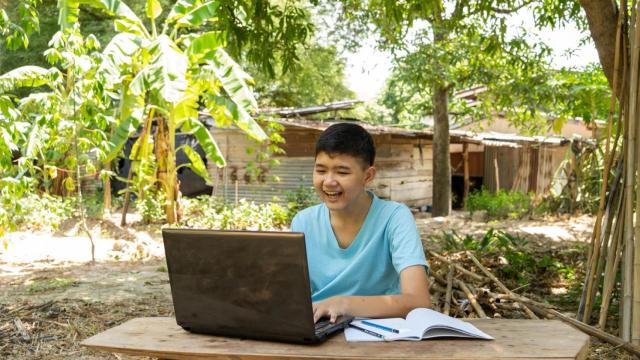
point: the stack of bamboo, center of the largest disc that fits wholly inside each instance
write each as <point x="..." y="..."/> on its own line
<point x="458" y="291"/>
<point x="615" y="245"/>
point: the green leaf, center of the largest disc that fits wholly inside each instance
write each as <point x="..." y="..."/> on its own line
<point x="119" y="138"/>
<point x="185" y="109"/>
<point x="197" y="165"/>
<point x="138" y="150"/>
<point x="132" y="111"/>
<point x="199" y="15"/>
<point x="206" y="140"/>
<point x="128" y="20"/>
<point x="153" y="9"/>
<point x="204" y="44"/>
<point x="240" y="117"/>
<point x="68" y="13"/>
<point x="25" y="76"/>
<point x="69" y="184"/>
<point x="234" y="80"/>
<point x="178" y="10"/>
<point x="121" y="49"/>
<point x="167" y="71"/>
<point x="35" y="141"/>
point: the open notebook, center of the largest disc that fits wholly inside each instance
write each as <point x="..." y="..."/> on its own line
<point x="420" y="324"/>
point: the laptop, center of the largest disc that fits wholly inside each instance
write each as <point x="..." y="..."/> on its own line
<point x="247" y="284"/>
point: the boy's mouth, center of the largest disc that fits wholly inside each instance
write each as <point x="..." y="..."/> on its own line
<point x="332" y="195"/>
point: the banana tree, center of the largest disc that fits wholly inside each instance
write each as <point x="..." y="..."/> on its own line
<point x="165" y="74"/>
<point x="56" y="127"/>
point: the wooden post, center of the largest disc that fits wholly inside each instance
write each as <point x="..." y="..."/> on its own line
<point x="236" y="185"/>
<point x="465" y="160"/>
<point x="495" y="166"/>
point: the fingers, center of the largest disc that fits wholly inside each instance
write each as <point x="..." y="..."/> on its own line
<point x="331" y="308"/>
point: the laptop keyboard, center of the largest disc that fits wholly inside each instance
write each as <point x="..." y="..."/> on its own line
<point x="322" y="325"/>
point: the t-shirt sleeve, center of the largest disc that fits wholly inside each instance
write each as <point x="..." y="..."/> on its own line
<point x="405" y="244"/>
<point x="296" y="223"/>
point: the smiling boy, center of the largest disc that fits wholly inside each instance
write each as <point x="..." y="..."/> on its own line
<point x="365" y="255"/>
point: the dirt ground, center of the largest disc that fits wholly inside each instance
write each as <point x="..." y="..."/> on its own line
<point x="51" y="298"/>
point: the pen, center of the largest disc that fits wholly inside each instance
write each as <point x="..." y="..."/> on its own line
<point x="381" y="327"/>
<point x="367" y="331"/>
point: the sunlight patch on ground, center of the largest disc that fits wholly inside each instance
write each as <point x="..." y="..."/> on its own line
<point x="27" y="247"/>
<point x="554" y="233"/>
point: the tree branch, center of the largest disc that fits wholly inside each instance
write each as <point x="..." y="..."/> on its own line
<point x="501" y="10"/>
<point x="511" y="10"/>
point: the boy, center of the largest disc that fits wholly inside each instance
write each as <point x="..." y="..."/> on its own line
<point x="365" y="254"/>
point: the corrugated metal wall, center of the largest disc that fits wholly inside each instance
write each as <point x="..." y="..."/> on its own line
<point x="293" y="173"/>
<point x="524" y="169"/>
<point x="507" y="161"/>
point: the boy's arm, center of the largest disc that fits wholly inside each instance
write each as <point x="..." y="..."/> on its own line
<point x="414" y="293"/>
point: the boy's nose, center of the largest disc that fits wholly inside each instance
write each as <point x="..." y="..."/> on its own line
<point x="330" y="179"/>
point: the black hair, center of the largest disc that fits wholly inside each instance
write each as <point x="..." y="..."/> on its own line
<point x="348" y="139"/>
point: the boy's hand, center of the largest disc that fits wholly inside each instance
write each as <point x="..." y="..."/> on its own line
<point x="332" y="308"/>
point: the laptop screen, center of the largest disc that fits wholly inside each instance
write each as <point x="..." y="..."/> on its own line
<point x="240" y="283"/>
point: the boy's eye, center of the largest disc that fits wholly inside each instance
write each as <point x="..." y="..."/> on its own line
<point x="343" y="173"/>
<point x="320" y="171"/>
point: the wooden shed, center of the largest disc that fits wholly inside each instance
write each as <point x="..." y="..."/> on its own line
<point x="403" y="161"/>
<point x="507" y="162"/>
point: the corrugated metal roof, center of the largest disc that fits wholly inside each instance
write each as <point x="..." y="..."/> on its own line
<point x="372" y="129"/>
<point x="310" y="110"/>
<point x="503" y="139"/>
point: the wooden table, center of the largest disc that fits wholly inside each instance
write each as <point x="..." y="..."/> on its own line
<point x="514" y="339"/>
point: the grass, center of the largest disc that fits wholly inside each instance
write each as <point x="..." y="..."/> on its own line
<point x="44" y="285"/>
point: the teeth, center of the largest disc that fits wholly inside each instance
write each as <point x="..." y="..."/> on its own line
<point x="332" y="193"/>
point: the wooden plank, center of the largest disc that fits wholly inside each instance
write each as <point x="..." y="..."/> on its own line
<point x="514" y="339"/>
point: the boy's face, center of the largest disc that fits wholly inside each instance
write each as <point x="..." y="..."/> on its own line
<point x="340" y="179"/>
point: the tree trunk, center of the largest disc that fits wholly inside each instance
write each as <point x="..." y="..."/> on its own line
<point x="166" y="172"/>
<point x="106" y="204"/>
<point x="441" y="158"/>
<point x="602" y="19"/>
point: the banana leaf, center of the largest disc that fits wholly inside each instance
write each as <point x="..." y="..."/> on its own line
<point x="197" y="165"/>
<point x="24" y="76"/>
<point x="205" y="139"/>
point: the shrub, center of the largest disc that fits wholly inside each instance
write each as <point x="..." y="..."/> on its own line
<point x="41" y="212"/>
<point x="500" y="205"/>
<point x="300" y="199"/>
<point x="206" y="212"/>
<point x="152" y="206"/>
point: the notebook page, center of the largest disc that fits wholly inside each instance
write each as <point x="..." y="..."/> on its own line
<point x="426" y="318"/>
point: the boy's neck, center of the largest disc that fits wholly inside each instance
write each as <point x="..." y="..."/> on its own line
<point x="357" y="211"/>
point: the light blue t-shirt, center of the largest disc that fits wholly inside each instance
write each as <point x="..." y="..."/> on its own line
<point x="387" y="243"/>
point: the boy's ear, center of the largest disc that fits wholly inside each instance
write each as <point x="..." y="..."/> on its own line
<point x="369" y="174"/>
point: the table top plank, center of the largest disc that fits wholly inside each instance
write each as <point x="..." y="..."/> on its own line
<point x="514" y="339"/>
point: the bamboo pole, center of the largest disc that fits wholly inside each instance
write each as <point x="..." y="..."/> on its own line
<point x="635" y="306"/>
<point x="627" y="289"/>
<point x="613" y="257"/>
<point x="590" y="330"/>
<point x="447" y="297"/>
<point x="500" y="285"/>
<point x="614" y="194"/>
<point x="594" y="256"/>
<point x="472" y="298"/>
<point x="458" y="267"/>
